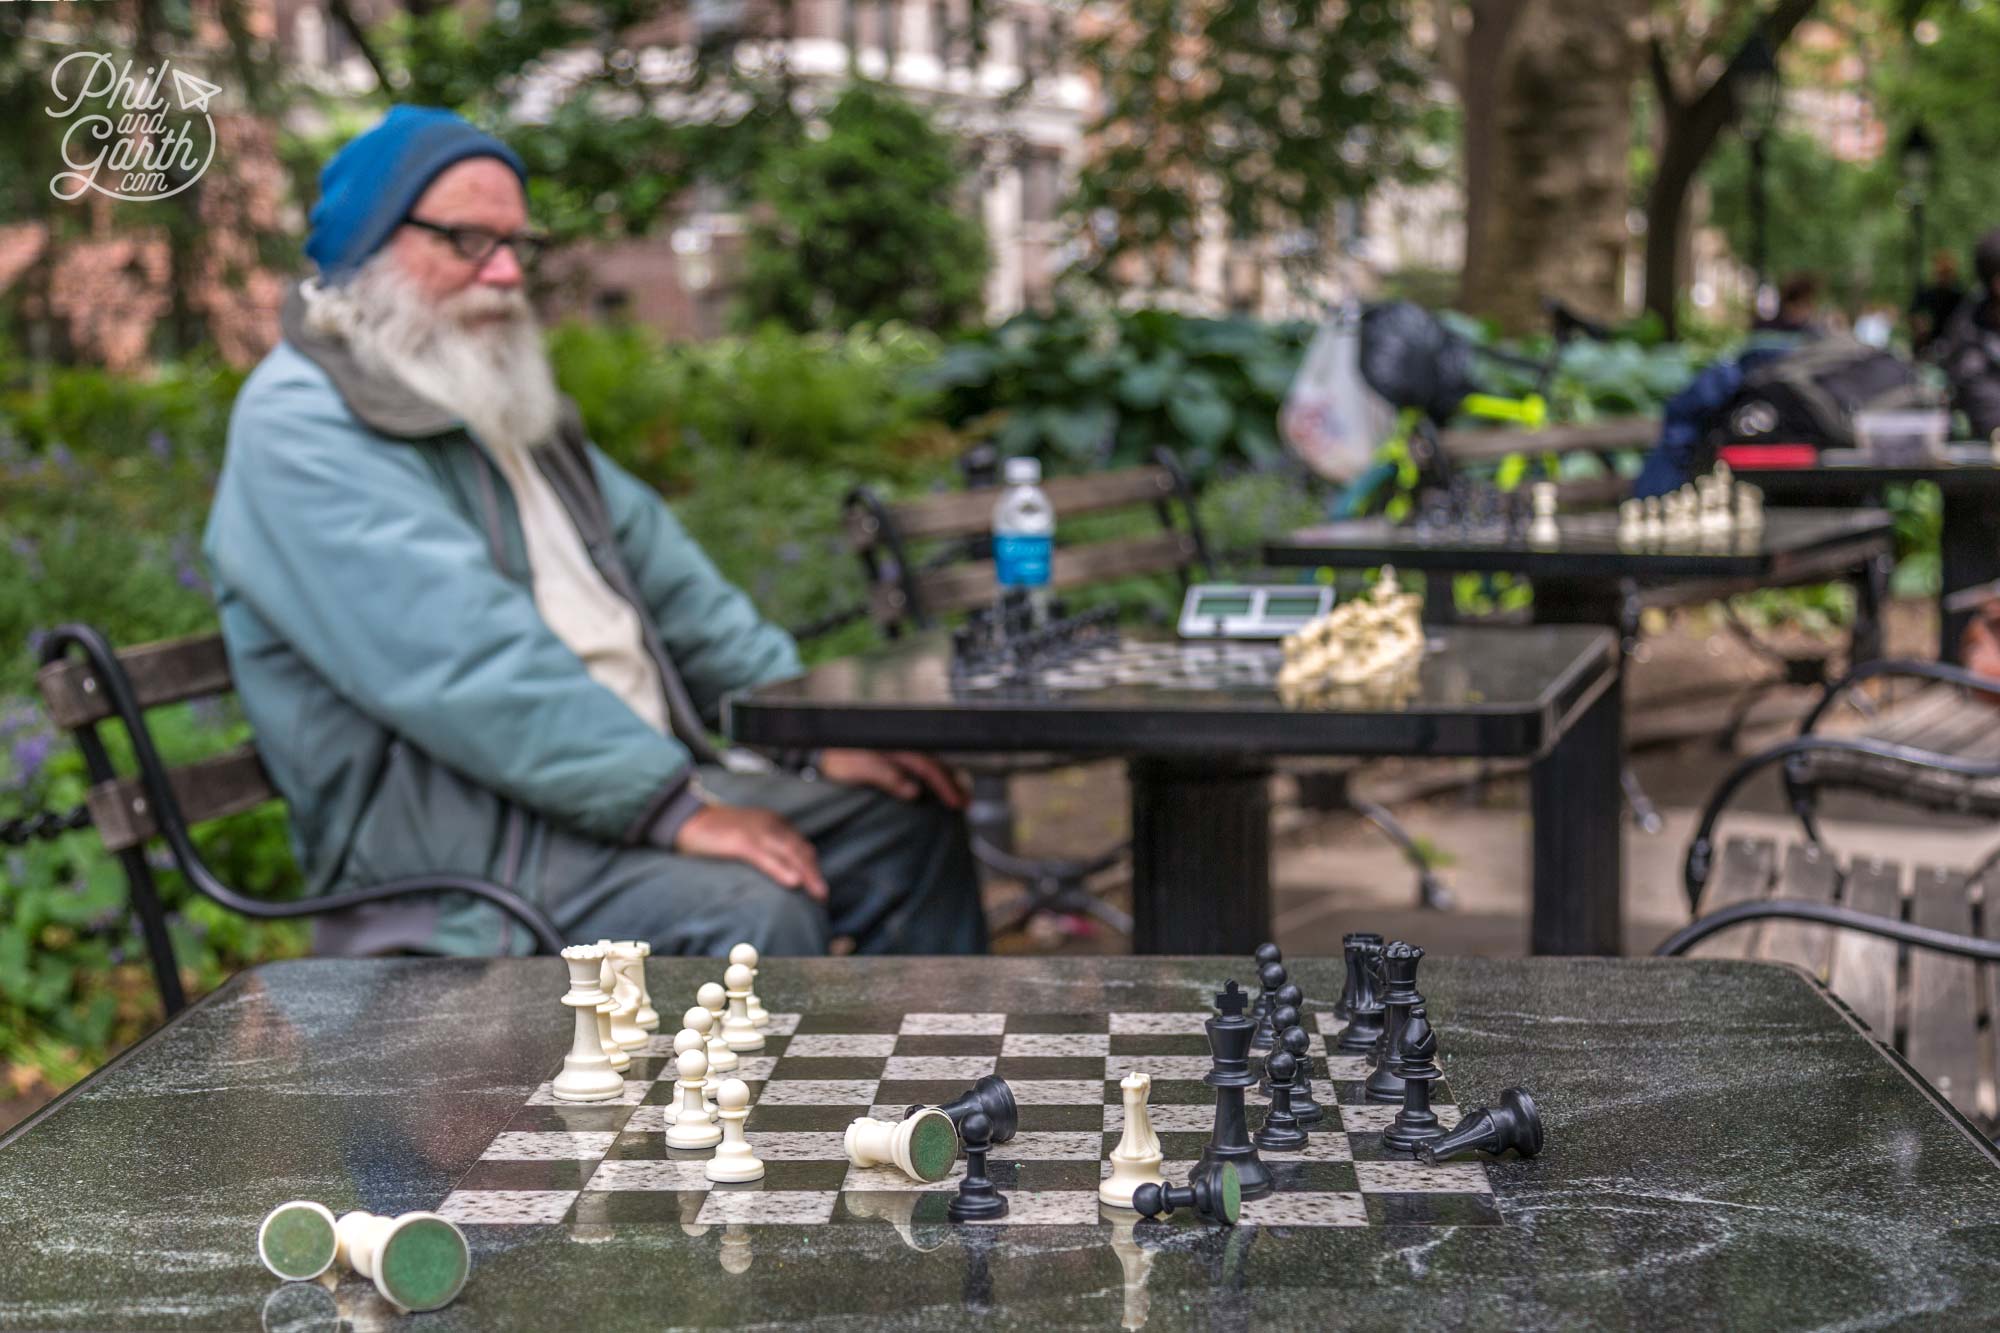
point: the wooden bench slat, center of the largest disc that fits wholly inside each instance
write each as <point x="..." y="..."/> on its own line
<point x="1745" y="872"/>
<point x="1938" y="719"/>
<point x="225" y="784"/>
<point x="1944" y="1003"/>
<point x="974" y="583"/>
<point x="1614" y="433"/>
<point x="970" y="513"/>
<point x="1810" y="875"/>
<point x="161" y="673"/>
<point x="1863" y="970"/>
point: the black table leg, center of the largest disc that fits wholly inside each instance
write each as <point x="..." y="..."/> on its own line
<point x="1580" y="602"/>
<point x="1871" y="591"/>
<point x="1969" y="554"/>
<point x="1578" y="835"/>
<point x="1201" y="855"/>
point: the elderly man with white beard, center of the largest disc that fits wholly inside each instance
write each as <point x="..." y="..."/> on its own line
<point x="469" y="642"/>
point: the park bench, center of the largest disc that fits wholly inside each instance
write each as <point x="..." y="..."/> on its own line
<point x="87" y="685"/>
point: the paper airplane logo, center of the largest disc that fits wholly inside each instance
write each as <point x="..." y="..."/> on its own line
<point x="194" y="93"/>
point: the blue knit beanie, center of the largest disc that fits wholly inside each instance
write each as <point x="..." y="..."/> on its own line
<point x="370" y="186"/>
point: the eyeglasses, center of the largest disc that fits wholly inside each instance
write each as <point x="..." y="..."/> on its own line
<point x="475" y="245"/>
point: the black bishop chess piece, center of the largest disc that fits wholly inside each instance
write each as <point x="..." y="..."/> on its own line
<point x="1399" y="975"/>
<point x="1281" y="1132"/>
<point x="977" y="1200"/>
<point x="1271" y="976"/>
<point x="1304" y="1106"/>
<point x="1361" y="996"/>
<point x="991" y="1097"/>
<point x="1515" y="1123"/>
<point x="1415" y="1059"/>
<point x="1217" y="1197"/>
<point x="1229" y="1047"/>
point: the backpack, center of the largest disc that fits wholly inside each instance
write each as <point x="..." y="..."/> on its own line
<point x="1810" y="395"/>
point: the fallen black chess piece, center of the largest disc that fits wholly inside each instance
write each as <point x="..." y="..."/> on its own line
<point x="1216" y="1197"/>
<point x="1513" y="1124"/>
<point x="990" y="1097"/>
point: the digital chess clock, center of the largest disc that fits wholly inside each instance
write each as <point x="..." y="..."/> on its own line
<point x="1250" y="611"/>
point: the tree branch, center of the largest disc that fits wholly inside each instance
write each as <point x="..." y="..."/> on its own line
<point x="1663" y="76"/>
<point x="343" y="14"/>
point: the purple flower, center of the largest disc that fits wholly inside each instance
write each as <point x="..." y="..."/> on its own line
<point x="29" y="553"/>
<point x="186" y="573"/>
<point x="791" y="553"/>
<point x="30" y="753"/>
<point x="36" y="638"/>
<point x="162" y="447"/>
<point x="63" y="458"/>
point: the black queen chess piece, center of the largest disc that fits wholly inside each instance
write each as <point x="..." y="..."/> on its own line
<point x="1361" y="996"/>
<point x="1415" y="1062"/>
<point x="1229" y="1035"/>
<point x="1399" y="977"/>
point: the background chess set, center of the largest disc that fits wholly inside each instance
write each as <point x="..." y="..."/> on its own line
<point x="1206" y="665"/>
<point x="608" y="1163"/>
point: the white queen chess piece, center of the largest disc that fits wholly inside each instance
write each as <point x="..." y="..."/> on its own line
<point x="738" y="1032"/>
<point x="714" y="999"/>
<point x="733" y="1161"/>
<point x="693" y="1127"/>
<point x="1136" y="1159"/>
<point x="746" y="955"/>
<point x="587" y="1075"/>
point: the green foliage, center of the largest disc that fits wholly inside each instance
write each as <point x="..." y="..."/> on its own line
<point x="1854" y="236"/>
<point x="1083" y="391"/>
<point x="863" y="224"/>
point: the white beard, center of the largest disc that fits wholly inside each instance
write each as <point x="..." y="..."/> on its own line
<point x="493" y="374"/>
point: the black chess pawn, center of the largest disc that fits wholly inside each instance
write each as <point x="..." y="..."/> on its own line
<point x="991" y="1097"/>
<point x="1229" y="1047"/>
<point x="1266" y="955"/>
<point x="1271" y="976"/>
<point x="1416" y="1062"/>
<point x="1515" y="1123"/>
<point x="1399" y="975"/>
<point x="1281" y="1132"/>
<point x="1216" y="1197"/>
<point x="1362" y="995"/>
<point x="1299" y="1043"/>
<point x="1282" y="1018"/>
<point x="977" y="1199"/>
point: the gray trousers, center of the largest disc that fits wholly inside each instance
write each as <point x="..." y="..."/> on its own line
<point x="900" y="878"/>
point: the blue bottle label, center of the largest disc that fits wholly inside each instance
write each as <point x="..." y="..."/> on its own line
<point x="1022" y="561"/>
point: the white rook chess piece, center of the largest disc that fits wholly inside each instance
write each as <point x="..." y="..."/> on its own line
<point x="738" y="1032"/>
<point x="692" y="1127"/>
<point x="687" y="1039"/>
<point x="712" y="998"/>
<point x="746" y="956"/>
<point x="608" y="983"/>
<point x="419" y="1261"/>
<point x="648" y="1017"/>
<point x="625" y="1029"/>
<point x="922" y="1147"/>
<point x="733" y="1161"/>
<point x="1136" y="1159"/>
<point x="587" y="1075"/>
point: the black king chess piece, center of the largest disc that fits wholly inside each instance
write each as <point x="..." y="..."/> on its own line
<point x="1271" y="976"/>
<point x="1229" y="1046"/>
<point x="1399" y="976"/>
<point x="1308" y="1111"/>
<point x="1361" y="996"/>
<point x="1415" y="1059"/>
<point x="1217" y="1197"/>
<point x="977" y="1199"/>
<point x="1513" y="1124"/>
<point x="1281" y="1132"/>
<point x="991" y="1097"/>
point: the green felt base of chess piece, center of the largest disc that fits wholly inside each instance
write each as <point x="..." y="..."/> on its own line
<point x="296" y="1241"/>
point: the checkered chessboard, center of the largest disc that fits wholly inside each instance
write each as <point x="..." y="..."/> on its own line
<point x="608" y="1163"/>
<point x="1208" y="664"/>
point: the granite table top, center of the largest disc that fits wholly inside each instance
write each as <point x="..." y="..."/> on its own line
<point x="1727" y="1146"/>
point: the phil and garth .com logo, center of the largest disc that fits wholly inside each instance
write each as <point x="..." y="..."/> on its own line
<point x="126" y="138"/>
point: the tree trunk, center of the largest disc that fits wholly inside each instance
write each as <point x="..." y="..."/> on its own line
<point x="1548" y="111"/>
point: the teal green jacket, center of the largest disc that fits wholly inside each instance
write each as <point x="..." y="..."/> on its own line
<point x="409" y="702"/>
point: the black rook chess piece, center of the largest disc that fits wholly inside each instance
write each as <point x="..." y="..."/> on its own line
<point x="991" y="1097"/>
<point x="977" y="1198"/>
<point x="1271" y="976"/>
<point x="1281" y="1132"/>
<point x="1229" y="1046"/>
<point x="1217" y="1197"/>
<point x="1513" y="1124"/>
<point x="1362" y="995"/>
<point x="1308" y="1111"/>
<point x="1414" y="1059"/>
<point x="1399" y="974"/>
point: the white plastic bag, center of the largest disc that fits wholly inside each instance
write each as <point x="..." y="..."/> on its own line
<point x="1331" y="419"/>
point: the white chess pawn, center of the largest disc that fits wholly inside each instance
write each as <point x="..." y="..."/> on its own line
<point x="733" y="1162"/>
<point x="692" y="1127"/>
<point x="738" y="1032"/>
<point x="1136" y="1160"/>
<point x="699" y="1021"/>
<point x="687" y="1039"/>
<point x="1631" y="522"/>
<point x="1656" y="526"/>
<point x="1749" y="508"/>
<point x="735" y="1254"/>
<point x="713" y="998"/>
<point x="648" y="1017"/>
<point x="1543" y="531"/>
<point x="622" y="958"/>
<point x="746" y="956"/>
<point x="587" y="1075"/>
<point x="922" y="1147"/>
<point x="419" y="1261"/>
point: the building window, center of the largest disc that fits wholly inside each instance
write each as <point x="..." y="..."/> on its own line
<point x="941" y="31"/>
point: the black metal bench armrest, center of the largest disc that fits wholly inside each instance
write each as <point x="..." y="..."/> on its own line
<point x="1736" y="914"/>
<point x="1701" y="851"/>
<point x="1896" y="666"/>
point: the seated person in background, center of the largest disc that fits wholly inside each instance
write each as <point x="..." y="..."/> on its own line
<point x="469" y="642"/>
<point x="1933" y="305"/>
<point x="1968" y="348"/>
<point x="1798" y="306"/>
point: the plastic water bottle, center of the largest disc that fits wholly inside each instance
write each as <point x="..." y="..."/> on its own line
<point x="1024" y="530"/>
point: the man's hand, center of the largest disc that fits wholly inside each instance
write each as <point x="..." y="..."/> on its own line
<point x="904" y="774"/>
<point x="757" y="838"/>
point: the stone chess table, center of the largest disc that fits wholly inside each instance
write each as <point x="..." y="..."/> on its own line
<point x="1725" y="1143"/>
